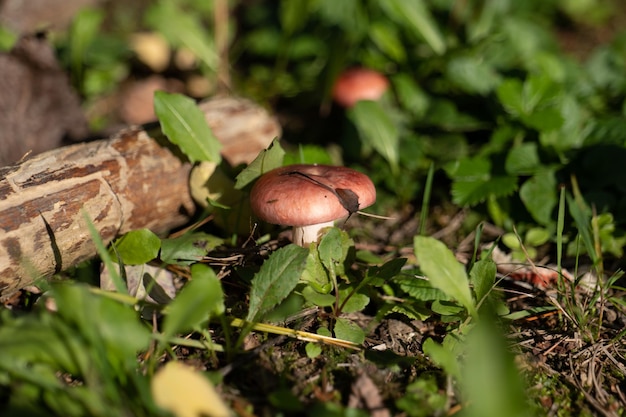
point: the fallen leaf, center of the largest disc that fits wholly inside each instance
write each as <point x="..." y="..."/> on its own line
<point x="184" y="392"/>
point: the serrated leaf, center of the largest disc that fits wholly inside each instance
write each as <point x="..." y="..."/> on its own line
<point x="539" y="195"/>
<point x="376" y="129"/>
<point x="201" y="298"/>
<point x="137" y="247"/>
<point x="522" y="159"/>
<point x="444" y="271"/>
<point x="420" y="289"/>
<point x="469" y="193"/>
<point x="267" y="160"/>
<point x="276" y="279"/>
<point x="185" y="125"/>
<point x="348" y="330"/>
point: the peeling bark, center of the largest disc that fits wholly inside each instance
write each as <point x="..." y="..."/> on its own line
<point x="124" y="183"/>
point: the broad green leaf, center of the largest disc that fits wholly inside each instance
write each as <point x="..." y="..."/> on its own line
<point x="444" y="271"/>
<point x="137" y="247"/>
<point x="420" y="289"/>
<point x="356" y="302"/>
<point x="308" y="154"/>
<point x="188" y="248"/>
<point x="483" y="277"/>
<point x="348" y="330"/>
<point x="267" y="160"/>
<point x="201" y="298"/>
<point x="490" y="376"/>
<point x="509" y="93"/>
<point x="333" y="250"/>
<point x="318" y="298"/>
<point x="185" y="125"/>
<point x="313" y="350"/>
<point x="415" y="15"/>
<point x="114" y="341"/>
<point x="544" y="119"/>
<point x="376" y="129"/>
<point x="389" y="269"/>
<point x="522" y="159"/>
<point x="539" y="195"/>
<point x="447" y="308"/>
<point x="473" y="75"/>
<point x="411" y="96"/>
<point x="314" y="273"/>
<point x="277" y="277"/>
<point x="536" y="236"/>
<point x="386" y="37"/>
<point x="442" y="357"/>
<point x="469" y="193"/>
<point x="469" y="169"/>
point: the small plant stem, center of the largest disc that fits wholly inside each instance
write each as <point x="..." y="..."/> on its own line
<point x="426" y="198"/>
<point x="298" y="334"/>
<point x="560" y="222"/>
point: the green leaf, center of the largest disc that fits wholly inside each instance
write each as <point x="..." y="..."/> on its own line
<point x="377" y="129"/>
<point x="188" y="248"/>
<point x="277" y="277"/>
<point x="348" y="330"/>
<point x="137" y="247"/>
<point x="386" y="37"/>
<point x="185" y="125"/>
<point x="411" y="96"/>
<point x="483" y="277"/>
<point x="469" y="193"/>
<point x="473" y="75"/>
<point x="356" y="302"/>
<point x="509" y="93"/>
<point x="420" y="289"/>
<point x="201" y="298"/>
<point x="442" y="357"/>
<point x="333" y="250"/>
<point x="444" y="271"/>
<point x="308" y="154"/>
<point x="522" y="159"/>
<point x="183" y="29"/>
<point x="314" y="273"/>
<point x="539" y="195"/>
<point x="415" y="15"/>
<point x="267" y="160"/>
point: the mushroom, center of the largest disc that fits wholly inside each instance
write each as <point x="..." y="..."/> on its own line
<point x="358" y="84"/>
<point x="310" y="197"/>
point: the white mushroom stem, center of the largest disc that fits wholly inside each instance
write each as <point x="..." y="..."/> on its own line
<point x="303" y="235"/>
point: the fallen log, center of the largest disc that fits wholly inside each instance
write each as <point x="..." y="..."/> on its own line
<point x="128" y="182"/>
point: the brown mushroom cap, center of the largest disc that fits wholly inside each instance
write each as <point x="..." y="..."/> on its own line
<point x="302" y="195"/>
<point x="359" y="84"/>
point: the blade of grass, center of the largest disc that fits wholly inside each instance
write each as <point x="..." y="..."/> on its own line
<point x="119" y="283"/>
<point x="426" y="198"/>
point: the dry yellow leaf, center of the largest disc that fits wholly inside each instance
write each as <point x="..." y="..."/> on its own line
<point x="186" y="393"/>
